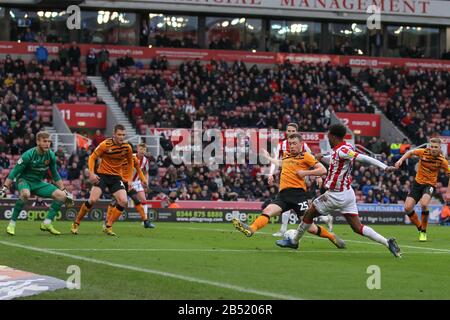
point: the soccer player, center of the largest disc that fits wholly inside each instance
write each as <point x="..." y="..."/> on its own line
<point x="138" y="175"/>
<point x="296" y="165"/>
<point x="113" y="152"/>
<point x="140" y="184"/>
<point x="431" y="161"/>
<point x="282" y="148"/>
<point x="29" y="173"/>
<point x="340" y="196"/>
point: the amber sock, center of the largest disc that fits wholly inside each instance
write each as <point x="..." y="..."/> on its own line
<point x="425" y="215"/>
<point x="109" y="212"/>
<point x="260" y="222"/>
<point x="414" y="219"/>
<point x="140" y="209"/>
<point x="83" y="211"/>
<point x="324" y="233"/>
<point x="116" y="212"/>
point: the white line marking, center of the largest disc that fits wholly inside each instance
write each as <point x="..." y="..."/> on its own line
<point x="317" y="238"/>
<point x="157" y="272"/>
<point x="233" y="250"/>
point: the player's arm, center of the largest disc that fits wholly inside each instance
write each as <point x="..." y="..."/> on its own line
<point x="98" y="152"/>
<point x="373" y="162"/>
<point x="140" y="173"/>
<point x="55" y="174"/>
<point x="446" y="168"/>
<point x="407" y="155"/>
<point x="275" y="162"/>
<point x="307" y="148"/>
<point x="130" y="160"/>
<point x="59" y="182"/>
<point x="325" y="159"/>
<point x="20" y="167"/>
<point x="273" y="166"/>
<point x="316" y="168"/>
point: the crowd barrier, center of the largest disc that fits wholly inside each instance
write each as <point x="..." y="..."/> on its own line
<point x="145" y="53"/>
<point x="209" y="211"/>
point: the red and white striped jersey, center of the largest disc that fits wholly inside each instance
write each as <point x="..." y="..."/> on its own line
<point x="341" y="164"/>
<point x="143" y="163"/>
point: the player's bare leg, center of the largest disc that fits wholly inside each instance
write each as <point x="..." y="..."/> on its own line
<point x="96" y="193"/>
<point x="270" y="211"/>
<point x="356" y="225"/>
<point x="411" y="213"/>
<point x="324" y="233"/>
<point x="424" y="202"/>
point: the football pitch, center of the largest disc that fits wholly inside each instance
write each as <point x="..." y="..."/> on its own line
<point x="213" y="261"/>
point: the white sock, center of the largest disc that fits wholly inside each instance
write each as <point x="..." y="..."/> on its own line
<point x="302" y="228"/>
<point x="145" y="211"/>
<point x="372" y="234"/>
<point x="12" y="222"/>
<point x="284" y="221"/>
<point x="47" y="221"/>
<point x="323" y="219"/>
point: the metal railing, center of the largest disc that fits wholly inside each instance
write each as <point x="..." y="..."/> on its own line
<point x="68" y="141"/>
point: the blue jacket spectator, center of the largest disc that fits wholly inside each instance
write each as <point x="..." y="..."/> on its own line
<point x="41" y="54"/>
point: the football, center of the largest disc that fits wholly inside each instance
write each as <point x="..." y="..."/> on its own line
<point x="290" y="234"/>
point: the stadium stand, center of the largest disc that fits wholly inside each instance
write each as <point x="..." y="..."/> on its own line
<point x="226" y="95"/>
<point x="418" y="103"/>
<point x="28" y="91"/>
<point x="234" y="95"/>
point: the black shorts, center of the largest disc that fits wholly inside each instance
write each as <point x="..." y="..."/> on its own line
<point x="295" y="199"/>
<point x="418" y="190"/>
<point x="130" y="192"/>
<point x="113" y="183"/>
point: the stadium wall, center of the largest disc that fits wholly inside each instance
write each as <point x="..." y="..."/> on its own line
<point x="144" y="54"/>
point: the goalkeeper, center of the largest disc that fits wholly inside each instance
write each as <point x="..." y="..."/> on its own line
<point x="29" y="173"/>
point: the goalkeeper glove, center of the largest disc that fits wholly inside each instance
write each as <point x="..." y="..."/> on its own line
<point x="3" y="192"/>
<point x="69" y="199"/>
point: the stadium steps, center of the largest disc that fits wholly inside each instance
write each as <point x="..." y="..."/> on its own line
<point x="108" y="98"/>
<point x="390" y="131"/>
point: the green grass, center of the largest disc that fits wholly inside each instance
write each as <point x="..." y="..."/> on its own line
<point x="223" y="257"/>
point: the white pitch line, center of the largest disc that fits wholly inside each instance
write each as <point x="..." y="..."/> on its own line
<point x="233" y="250"/>
<point x="317" y="238"/>
<point x="157" y="272"/>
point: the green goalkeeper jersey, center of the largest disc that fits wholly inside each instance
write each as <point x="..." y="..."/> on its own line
<point x="33" y="166"/>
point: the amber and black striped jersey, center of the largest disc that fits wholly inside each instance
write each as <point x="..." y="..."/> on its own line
<point x="113" y="156"/>
<point x="290" y="165"/>
<point x="429" y="166"/>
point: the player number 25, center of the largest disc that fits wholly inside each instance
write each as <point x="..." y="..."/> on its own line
<point x="303" y="205"/>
